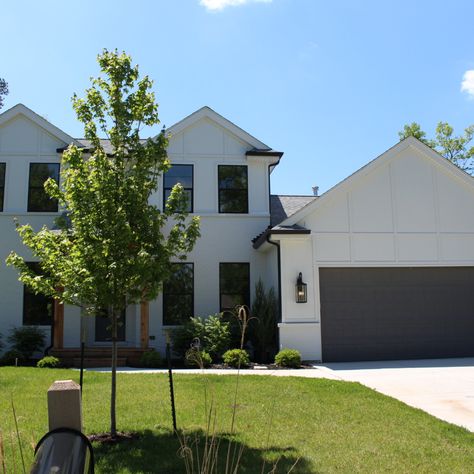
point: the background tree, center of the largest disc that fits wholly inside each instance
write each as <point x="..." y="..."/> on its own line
<point x="114" y="248"/>
<point x="455" y="148"/>
<point x="3" y="90"/>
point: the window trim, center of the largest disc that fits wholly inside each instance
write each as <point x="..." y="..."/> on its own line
<point x="3" y="186"/>
<point x="219" y="189"/>
<point x="248" y="295"/>
<point x="163" y="302"/>
<point x="191" y="211"/>
<point x="28" y="206"/>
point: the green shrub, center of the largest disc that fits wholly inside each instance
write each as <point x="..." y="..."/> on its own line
<point x="151" y="359"/>
<point x="27" y="340"/>
<point x="49" y="362"/>
<point x="236" y="358"/>
<point x="213" y="335"/>
<point x="197" y="358"/>
<point x="11" y="356"/>
<point x="288" y="358"/>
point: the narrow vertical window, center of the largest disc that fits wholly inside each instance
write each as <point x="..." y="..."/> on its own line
<point x="178" y="295"/>
<point x="2" y="184"/>
<point x="38" y="200"/>
<point x="37" y="308"/>
<point x="233" y="189"/>
<point x="234" y="285"/>
<point x="182" y="174"/>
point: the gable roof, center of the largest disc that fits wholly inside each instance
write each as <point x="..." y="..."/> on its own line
<point x="20" y="109"/>
<point x="283" y="206"/>
<point x="207" y="112"/>
<point x="391" y="153"/>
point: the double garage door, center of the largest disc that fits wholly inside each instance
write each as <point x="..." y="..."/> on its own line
<point x="396" y="313"/>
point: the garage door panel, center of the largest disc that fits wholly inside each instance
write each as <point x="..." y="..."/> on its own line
<point x="397" y="313"/>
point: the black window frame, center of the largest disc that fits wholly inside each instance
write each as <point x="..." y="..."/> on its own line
<point x="167" y="188"/>
<point x="30" y="207"/>
<point x="2" y="184"/>
<point x="221" y="293"/>
<point x="221" y="189"/>
<point x="29" y="295"/>
<point x="166" y="294"/>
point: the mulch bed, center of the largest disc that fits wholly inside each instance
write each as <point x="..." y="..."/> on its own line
<point x="107" y="438"/>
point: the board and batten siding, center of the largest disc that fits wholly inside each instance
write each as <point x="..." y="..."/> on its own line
<point x="407" y="210"/>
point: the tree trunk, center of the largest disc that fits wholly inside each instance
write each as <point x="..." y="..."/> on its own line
<point x="113" y="391"/>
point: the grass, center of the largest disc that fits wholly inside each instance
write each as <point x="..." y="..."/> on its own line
<point x="330" y="426"/>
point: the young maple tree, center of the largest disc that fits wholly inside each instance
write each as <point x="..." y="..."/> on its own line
<point x="113" y="248"/>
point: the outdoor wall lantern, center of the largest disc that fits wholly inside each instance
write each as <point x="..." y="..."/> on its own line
<point x="301" y="290"/>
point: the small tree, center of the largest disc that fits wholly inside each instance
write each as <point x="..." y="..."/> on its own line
<point x="454" y="148"/>
<point x="113" y="249"/>
<point x="3" y="90"/>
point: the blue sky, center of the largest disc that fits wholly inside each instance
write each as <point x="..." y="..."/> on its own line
<point x="330" y="83"/>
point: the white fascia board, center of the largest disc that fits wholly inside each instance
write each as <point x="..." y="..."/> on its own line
<point x="390" y="154"/>
<point x="207" y="112"/>
<point x="21" y="109"/>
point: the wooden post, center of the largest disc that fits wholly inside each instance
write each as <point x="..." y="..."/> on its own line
<point x="58" y="321"/>
<point x="64" y="405"/>
<point x="144" y="323"/>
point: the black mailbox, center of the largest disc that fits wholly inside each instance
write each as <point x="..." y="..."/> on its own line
<point x="63" y="451"/>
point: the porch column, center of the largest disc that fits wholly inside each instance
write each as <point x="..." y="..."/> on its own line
<point x="58" y="321"/>
<point x="144" y="319"/>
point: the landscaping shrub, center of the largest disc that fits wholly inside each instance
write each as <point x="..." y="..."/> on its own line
<point x="49" y="362"/>
<point x="12" y="356"/>
<point x="236" y="358"/>
<point x="197" y="358"/>
<point x="151" y="359"/>
<point x="263" y="329"/>
<point x="213" y="335"/>
<point x="26" y="340"/>
<point x="288" y="358"/>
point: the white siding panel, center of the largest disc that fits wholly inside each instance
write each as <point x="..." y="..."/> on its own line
<point x="371" y="203"/>
<point x="332" y="247"/>
<point x="457" y="247"/>
<point x="204" y="138"/>
<point x="373" y="247"/>
<point x="414" y="193"/>
<point x="19" y="136"/>
<point x="417" y="247"/>
<point x="332" y="217"/>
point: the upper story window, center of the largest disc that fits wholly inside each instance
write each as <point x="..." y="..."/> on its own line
<point x="2" y="184"/>
<point x="182" y="174"/>
<point x="234" y="285"/>
<point x="178" y="295"/>
<point x="38" y="200"/>
<point x="233" y="189"/>
<point x="37" y="308"/>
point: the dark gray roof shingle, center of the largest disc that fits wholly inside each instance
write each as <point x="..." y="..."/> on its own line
<point x="282" y="207"/>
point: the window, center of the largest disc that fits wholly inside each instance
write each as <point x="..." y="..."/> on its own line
<point x="233" y="189"/>
<point x="2" y="184"/>
<point x="182" y="174"/>
<point x="37" y="309"/>
<point x="178" y="295"/>
<point x="38" y="200"/>
<point x="234" y="285"/>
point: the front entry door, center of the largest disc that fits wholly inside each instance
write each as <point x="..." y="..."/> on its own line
<point x="102" y="327"/>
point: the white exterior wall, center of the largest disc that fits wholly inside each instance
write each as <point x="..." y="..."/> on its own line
<point x="224" y="237"/>
<point x="21" y="142"/>
<point x="406" y="210"/>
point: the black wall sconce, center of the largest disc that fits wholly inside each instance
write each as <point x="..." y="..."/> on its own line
<point x="301" y="290"/>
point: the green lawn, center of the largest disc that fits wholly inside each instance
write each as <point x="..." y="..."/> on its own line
<point x="330" y="426"/>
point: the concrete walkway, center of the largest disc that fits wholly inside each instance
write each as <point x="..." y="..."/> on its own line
<point x="442" y="387"/>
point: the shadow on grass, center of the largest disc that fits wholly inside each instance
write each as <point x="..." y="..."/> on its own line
<point x="158" y="452"/>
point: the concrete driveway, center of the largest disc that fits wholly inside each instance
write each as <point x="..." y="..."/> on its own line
<point x="442" y="387"/>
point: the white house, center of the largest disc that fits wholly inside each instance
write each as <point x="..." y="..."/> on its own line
<point x="387" y="255"/>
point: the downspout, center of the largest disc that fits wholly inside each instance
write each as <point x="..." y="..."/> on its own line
<point x="279" y="274"/>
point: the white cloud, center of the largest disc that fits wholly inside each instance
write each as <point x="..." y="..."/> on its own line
<point x="215" y="5"/>
<point x="467" y="84"/>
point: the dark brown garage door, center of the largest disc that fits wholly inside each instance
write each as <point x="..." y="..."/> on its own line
<point x="396" y="313"/>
